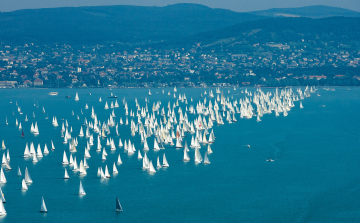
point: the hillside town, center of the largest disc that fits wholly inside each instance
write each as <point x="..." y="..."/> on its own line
<point x="270" y="64"/>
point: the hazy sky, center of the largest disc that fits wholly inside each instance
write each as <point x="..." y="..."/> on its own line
<point x="235" y="5"/>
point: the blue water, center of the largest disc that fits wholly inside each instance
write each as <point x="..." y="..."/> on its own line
<point x="315" y="176"/>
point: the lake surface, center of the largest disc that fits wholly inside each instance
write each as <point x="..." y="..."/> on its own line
<point x="315" y="176"/>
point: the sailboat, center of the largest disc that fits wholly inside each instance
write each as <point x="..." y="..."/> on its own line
<point x="118" y="205"/>
<point x="23" y="185"/>
<point x="43" y="206"/>
<point x="165" y="162"/>
<point x="152" y="169"/>
<point x="158" y="164"/>
<point x="52" y="145"/>
<point x="198" y="158"/>
<point x="2" y="209"/>
<point x="139" y="154"/>
<point x="66" y="175"/>
<point x="28" y="179"/>
<point x="206" y="159"/>
<point x="76" y="97"/>
<point x="19" y="172"/>
<point x="81" y="189"/>
<point x="186" y="155"/>
<point x="209" y="150"/>
<point x="46" y="150"/>
<point x="107" y="174"/>
<point x="2" y="176"/>
<point x="2" y="196"/>
<point x="150" y="92"/>
<point x="115" y="169"/>
<point x="258" y="118"/>
<point x="301" y="106"/>
<point x="119" y="160"/>
<point x="22" y="134"/>
<point x="82" y="169"/>
<point x="76" y="168"/>
<point x="38" y="152"/>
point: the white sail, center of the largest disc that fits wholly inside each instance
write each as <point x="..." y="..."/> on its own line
<point x="118" y="205"/>
<point x="82" y="170"/>
<point x="71" y="162"/>
<point x="35" y="160"/>
<point x="206" y="159"/>
<point x="85" y="163"/>
<point x="81" y="189"/>
<point x="165" y="162"/>
<point x="76" y="168"/>
<point x="186" y="155"/>
<point x="81" y="134"/>
<point x="156" y="145"/>
<point x="2" y="196"/>
<point x="4" y="160"/>
<point x="139" y="155"/>
<point x="152" y="169"/>
<point x="158" y="164"/>
<point x="52" y="145"/>
<point x="46" y="150"/>
<point x="27" y="151"/>
<point x="23" y="185"/>
<point x="146" y="146"/>
<point x="145" y="164"/>
<point x="87" y="153"/>
<point x="43" y="206"/>
<point x="198" y="158"/>
<point x="65" y="159"/>
<point x="38" y="152"/>
<point x="178" y="143"/>
<point x="209" y="150"/>
<point x="119" y="160"/>
<point x="76" y="97"/>
<point x="66" y="175"/>
<point x="107" y="174"/>
<point x="2" y="209"/>
<point x="32" y="148"/>
<point x="114" y="169"/>
<point x="28" y="179"/>
<point x="36" y="129"/>
<point x="19" y="172"/>
<point x="3" y="145"/>
<point x="102" y="175"/>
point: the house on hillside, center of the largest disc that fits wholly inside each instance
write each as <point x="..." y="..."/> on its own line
<point x="317" y="77"/>
<point x="38" y="82"/>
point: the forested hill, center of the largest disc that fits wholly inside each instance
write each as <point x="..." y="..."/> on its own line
<point x="338" y="29"/>
<point x="315" y="11"/>
<point x="127" y="24"/>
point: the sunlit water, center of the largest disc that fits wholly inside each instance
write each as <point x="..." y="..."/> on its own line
<point x="315" y="176"/>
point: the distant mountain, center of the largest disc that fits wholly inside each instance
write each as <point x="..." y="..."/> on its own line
<point x="115" y="23"/>
<point x="281" y="30"/>
<point x="316" y="11"/>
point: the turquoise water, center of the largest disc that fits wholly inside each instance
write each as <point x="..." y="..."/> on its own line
<point x="314" y="177"/>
